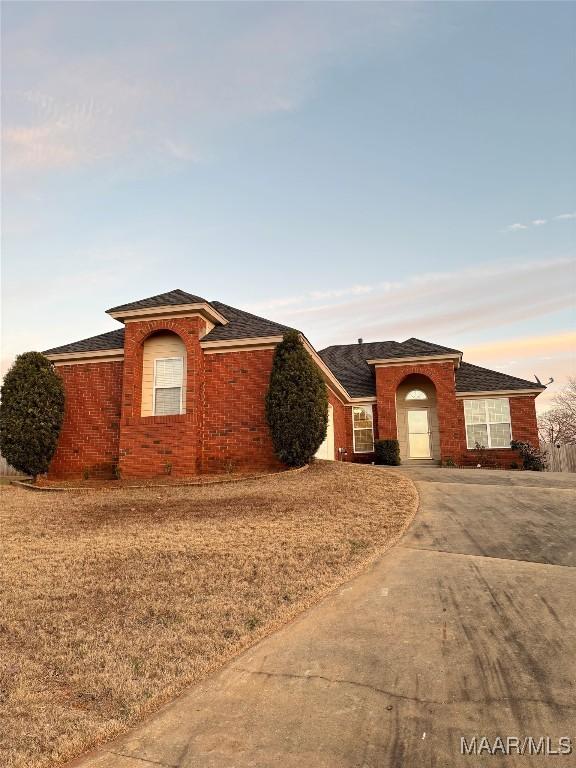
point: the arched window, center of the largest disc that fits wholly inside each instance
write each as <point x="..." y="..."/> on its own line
<point x="416" y="394"/>
<point x="163" y="375"/>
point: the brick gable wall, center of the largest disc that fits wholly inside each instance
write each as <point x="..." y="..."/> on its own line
<point x="450" y="411"/>
<point x="151" y="446"/>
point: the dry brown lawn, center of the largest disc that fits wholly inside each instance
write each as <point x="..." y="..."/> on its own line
<point x="112" y="601"/>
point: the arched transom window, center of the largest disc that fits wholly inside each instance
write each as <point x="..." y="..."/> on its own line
<point x="416" y="394"/>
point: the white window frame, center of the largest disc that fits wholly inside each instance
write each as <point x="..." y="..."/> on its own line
<point x="155" y="387"/>
<point x="367" y="406"/>
<point x="416" y="399"/>
<point x="488" y="423"/>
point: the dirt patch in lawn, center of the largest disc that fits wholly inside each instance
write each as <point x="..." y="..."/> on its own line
<point x="113" y="602"/>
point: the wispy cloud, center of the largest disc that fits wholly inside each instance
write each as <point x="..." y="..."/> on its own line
<point x="164" y="95"/>
<point x="539" y="222"/>
<point x="441" y="305"/>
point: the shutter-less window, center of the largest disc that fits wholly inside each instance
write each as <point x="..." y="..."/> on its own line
<point x="168" y="374"/>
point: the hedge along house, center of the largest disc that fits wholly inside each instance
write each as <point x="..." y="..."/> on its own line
<point x="180" y="390"/>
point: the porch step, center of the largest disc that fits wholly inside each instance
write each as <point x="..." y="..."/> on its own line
<point x="420" y="463"/>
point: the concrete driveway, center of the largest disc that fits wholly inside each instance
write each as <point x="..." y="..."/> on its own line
<point x="466" y="628"/>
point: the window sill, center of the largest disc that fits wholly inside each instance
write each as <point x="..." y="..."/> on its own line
<point x="504" y="448"/>
<point x="175" y="417"/>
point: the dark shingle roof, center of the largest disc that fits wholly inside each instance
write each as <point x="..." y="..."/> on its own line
<point x="242" y="325"/>
<point x="473" y="378"/>
<point x="348" y="361"/>
<point x="171" y="298"/>
<point x="110" y="340"/>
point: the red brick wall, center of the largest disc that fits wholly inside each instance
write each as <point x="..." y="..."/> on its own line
<point x="89" y="438"/>
<point x="450" y="411"/>
<point x="340" y="414"/>
<point x="151" y="446"/>
<point x="451" y="414"/>
<point x="524" y="428"/>
<point x="236" y="435"/>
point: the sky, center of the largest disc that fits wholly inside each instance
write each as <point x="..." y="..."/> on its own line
<point x="374" y="170"/>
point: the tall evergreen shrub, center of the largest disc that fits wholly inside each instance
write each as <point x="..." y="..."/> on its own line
<point x="296" y="403"/>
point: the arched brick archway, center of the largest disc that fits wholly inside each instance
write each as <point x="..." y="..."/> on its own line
<point x="449" y="411"/>
<point x="417" y="419"/>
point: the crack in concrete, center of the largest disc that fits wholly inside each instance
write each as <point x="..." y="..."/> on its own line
<point x="404" y="697"/>
<point x="144" y="759"/>
<point x="484" y="557"/>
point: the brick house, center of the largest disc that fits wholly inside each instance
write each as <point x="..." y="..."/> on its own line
<point x="180" y="389"/>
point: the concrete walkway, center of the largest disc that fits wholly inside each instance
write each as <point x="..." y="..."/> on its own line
<point x="466" y="628"/>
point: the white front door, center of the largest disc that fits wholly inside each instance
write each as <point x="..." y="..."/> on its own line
<point x="326" y="450"/>
<point x="419" y="434"/>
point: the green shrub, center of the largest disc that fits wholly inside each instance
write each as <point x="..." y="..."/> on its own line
<point x="449" y="462"/>
<point x="31" y="413"/>
<point x="296" y="403"/>
<point x="387" y="452"/>
<point x="532" y="457"/>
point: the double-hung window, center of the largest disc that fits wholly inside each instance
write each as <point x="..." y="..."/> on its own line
<point x="362" y="428"/>
<point x="168" y="375"/>
<point x="488" y="423"/>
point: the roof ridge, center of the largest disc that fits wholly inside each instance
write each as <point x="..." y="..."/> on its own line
<point x="216" y="303"/>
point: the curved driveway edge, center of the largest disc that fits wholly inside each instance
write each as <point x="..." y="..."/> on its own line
<point x="465" y="628"/>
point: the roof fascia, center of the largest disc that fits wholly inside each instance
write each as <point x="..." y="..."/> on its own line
<point x="502" y="392"/>
<point x="386" y="362"/>
<point x="169" y="310"/>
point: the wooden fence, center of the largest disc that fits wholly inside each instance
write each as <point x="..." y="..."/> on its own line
<point x="561" y="458"/>
<point x="6" y="470"/>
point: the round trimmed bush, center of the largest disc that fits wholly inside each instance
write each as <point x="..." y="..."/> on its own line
<point x="387" y="452"/>
<point x="31" y="413"/>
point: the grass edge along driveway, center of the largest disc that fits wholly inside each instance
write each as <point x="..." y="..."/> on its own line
<point x="114" y="601"/>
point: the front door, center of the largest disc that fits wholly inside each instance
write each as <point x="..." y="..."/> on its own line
<point x="419" y="434"/>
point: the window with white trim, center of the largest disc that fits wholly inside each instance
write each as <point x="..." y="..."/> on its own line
<point x="362" y="428"/>
<point x="488" y="422"/>
<point x="168" y="374"/>
<point x="416" y="394"/>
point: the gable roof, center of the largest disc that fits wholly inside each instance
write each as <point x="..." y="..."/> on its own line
<point x="170" y="298"/>
<point x="242" y="325"/>
<point x="473" y="378"/>
<point x="110" y="340"/>
<point x="348" y="362"/>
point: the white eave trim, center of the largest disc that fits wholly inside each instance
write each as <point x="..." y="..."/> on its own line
<point x="93" y="356"/>
<point x="391" y="361"/>
<point x="234" y="345"/>
<point x="170" y="310"/>
<point x="501" y="392"/>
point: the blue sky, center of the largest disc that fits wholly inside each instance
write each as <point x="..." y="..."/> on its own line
<point x="353" y="169"/>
